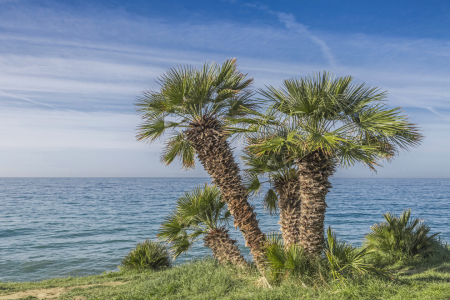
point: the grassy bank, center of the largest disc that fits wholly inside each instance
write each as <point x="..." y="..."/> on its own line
<point x="206" y="279"/>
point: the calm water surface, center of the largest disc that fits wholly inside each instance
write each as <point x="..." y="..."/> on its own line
<point x="53" y="227"/>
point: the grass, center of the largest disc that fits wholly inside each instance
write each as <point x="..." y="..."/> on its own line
<point x="205" y="279"/>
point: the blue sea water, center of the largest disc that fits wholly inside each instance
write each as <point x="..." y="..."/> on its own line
<point x="55" y="227"/>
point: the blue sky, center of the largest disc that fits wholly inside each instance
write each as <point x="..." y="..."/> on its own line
<point x="70" y="71"/>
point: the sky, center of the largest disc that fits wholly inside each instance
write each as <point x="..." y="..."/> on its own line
<point x="70" y="72"/>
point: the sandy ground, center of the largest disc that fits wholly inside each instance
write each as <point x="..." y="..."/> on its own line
<point x="53" y="292"/>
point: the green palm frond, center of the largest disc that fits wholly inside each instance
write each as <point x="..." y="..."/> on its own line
<point x="270" y="202"/>
<point x="155" y="128"/>
<point x="181" y="245"/>
<point x="350" y="153"/>
<point x="253" y="183"/>
<point x="179" y="146"/>
<point x="172" y="227"/>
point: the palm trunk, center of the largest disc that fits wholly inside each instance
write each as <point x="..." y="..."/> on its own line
<point x="314" y="171"/>
<point x="290" y="210"/>
<point x="224" y="248"/>
<point x="214" y="152"/>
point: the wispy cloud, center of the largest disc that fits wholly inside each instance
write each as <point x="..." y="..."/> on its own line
<point x="55" y="64"/>
<point x="289" y="21"/>
<point x="9" y="95"/>
<point x="61" y="65"/>
<point x="437" y="113"/>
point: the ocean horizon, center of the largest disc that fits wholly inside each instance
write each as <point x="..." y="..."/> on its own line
<point x="76" y="226"/>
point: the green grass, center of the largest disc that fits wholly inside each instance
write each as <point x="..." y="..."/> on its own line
<point x="205" y="279"/>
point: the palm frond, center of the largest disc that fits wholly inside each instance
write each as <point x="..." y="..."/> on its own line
<point x="270" y="202"/>
<point x="154" y="128"/>
<point x="252" y="183"/>
<point x="179" y="146"/>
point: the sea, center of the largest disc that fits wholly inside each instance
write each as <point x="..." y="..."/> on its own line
<point x="60" y="227"/>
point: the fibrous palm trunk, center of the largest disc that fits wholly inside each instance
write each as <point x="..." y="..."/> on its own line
<point x="314" y="171"/>
<point x="214" y="152"/>
<point x="290" y="209"/>
<point x="224" y="248"/>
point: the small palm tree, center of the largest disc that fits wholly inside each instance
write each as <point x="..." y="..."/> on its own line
<point x="400" y="237"/>
<point x="201" y="213"/>
<point x="344" y="259"/>
<point x="327" y="122"/>
<point x="283" y="196"/>
<point x="203" y="107"/>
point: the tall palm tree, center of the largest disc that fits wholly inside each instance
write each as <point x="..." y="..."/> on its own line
<point x="203" y="107"/>
<point x="331" y="122"/>
<point x="283" y="196"/>
<point x="201" y="213"/>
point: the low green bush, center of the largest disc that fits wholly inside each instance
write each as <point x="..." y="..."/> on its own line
<point x="147" y="255"/>
<point x="399" y="238"/>
<point x="345" y="260"/>
<point x="293" y="262"/>
<point x="339" y="261"/>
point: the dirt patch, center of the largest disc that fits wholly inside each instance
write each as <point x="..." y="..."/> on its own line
<point x="53" y="292"/>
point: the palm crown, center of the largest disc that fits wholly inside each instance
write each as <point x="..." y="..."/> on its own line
<point x="343" y="120"/>
<point x="189" y="97"/>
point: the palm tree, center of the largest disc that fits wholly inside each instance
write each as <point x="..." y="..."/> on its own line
<point x="284" y="192"/>
<point x="331" y="122"/>
<point x="201" y="213"/>
<point x="202" y="106"/>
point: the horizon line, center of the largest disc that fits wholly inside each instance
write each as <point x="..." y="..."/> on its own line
<point x="198" y="177"/>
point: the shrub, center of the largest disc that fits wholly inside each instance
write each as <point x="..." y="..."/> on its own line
<point x="339" y="261"/>
<point x="400" y="237"/>
<point x="344" y="260"/>
<point x="282" y="263"/>
<point x="293" y="263"/>
<point x="147" y="255"/>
